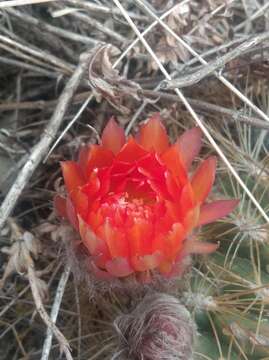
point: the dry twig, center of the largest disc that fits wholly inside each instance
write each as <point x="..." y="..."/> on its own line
<point x="66" y="34"/>
<point x="64" y="345"/>
<point x="105" y="10"/>
<point x="40" y="149"/>
<point x="218" y="63"/>
<point x="224" y="81"/>
<point x="11" y="3"/>
<point x="54" y="312"/>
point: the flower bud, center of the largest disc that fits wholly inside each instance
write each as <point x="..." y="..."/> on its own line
<point x="159" y="328"/>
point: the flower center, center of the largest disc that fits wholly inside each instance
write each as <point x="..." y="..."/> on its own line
<point x="123" y="210"/>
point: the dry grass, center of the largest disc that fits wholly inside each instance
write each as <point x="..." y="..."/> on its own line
<point x="202" y="62"/>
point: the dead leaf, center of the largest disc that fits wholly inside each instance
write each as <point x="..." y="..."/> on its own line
<point x="23" y="245"/>
<point x="106" y="81"/>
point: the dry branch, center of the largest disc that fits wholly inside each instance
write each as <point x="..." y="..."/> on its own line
<point x="64" y="345"/>
<point x="90" y="21"/>
<point x="217" y="64"/>
<point x="230" y="114"/>
<point x="36" y="53"/>
<point x="11" y="3"/>
<point x="24" y="65"/>
<point x="100" y="9"/>
<point x="66" y="34"/>
<point x="40" y="149"/>
<point x="54" y="312"/>
<point x="222" y="79"/>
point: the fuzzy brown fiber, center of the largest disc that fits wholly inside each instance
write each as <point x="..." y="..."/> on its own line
<point x="159" y="328"/>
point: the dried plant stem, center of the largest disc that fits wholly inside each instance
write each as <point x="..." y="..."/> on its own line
<point x="145" y="32"/>
<point x="28" y="19"/>
<point x="190" y="109"/>
<point x="11" y="3"/>
<point x="258" y="13"/>
<point x="40" y="149"/>
<point x="54" y="312"/>
<point x="71" y="123"/>
<point x="24" y="65"/>
<point x="105" y="10"/>
<point x="231" y="115"/>
<point x="218" y="63"/>
<point x="209" y="16"/>
<point x="79" y="318"/>
<point x="98" y="26"/>
<point x="42" y="55"/>
<point x="13" y="301"/>
<point x="194" y="53"/>
<point x="64" y="345"/>
<point x="116" y="63"/>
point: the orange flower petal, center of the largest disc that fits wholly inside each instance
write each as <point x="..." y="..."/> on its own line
<point x="215" y="210"/>
<point x="131" y="151"/>
<point x="94" y="244"/>
<point x="189" y="144"/>
<point x="172" y="159"/>
<point x="139" y="237"/>
<point x="203" y="179"/>
<point x="170" y="244"/>
<point x="73" y="177"/>
<point x="59" y="204"/>
<point x="98" y="157"/>
<point x="173" y="241"/>
<point x="113" y="137"/>
<point x="173" y="212"/>
<point x="115" y="240"/>
<point x="81" y="203"/>
<point x="71" y="213"/>
<point x="172" y="186"/>
<point x="186" y="201"/>
<point x="93" y="186"/>
<point x="153" y="135"/>
<point x="193" y="246"/>
<point x="119" y="267"/>
<point x="89" y="239"/>
<point x="74" y="180"/>
<point x="191" y="219"/>
<point x="95" y="219"/>
<point x="147" y="262"/>
<point x="159" y="187"/>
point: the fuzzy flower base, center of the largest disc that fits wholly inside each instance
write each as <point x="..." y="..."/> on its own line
<point x="159" y="328"/>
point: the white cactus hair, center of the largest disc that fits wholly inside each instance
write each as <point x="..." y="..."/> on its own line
<point x="158" y="328"/>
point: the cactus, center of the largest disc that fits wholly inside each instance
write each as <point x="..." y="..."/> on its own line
<point x="51" y="303"/>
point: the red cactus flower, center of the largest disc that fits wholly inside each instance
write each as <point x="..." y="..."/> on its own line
<point x="134" y="203"/>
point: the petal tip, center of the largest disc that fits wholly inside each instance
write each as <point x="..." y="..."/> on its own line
<point x="203" y="179"/>
<point x="218" y="209"/>
<point x="113" y="137"/>
<point x="153" y="135"/>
